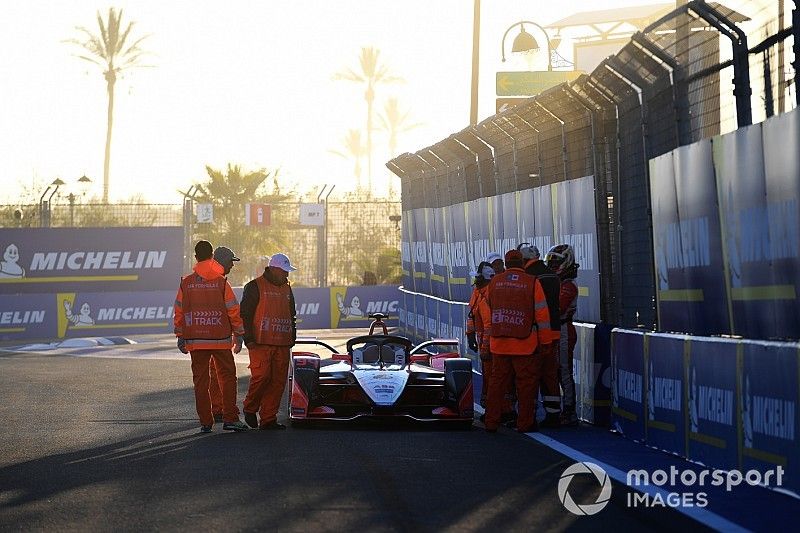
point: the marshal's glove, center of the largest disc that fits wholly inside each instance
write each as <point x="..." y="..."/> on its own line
<point x="182" y="345"/>
<point x="237" y="347"/>
<point x="472" y="341"/>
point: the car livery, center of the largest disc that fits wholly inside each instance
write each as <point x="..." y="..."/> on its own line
<point x="382" y="376"/>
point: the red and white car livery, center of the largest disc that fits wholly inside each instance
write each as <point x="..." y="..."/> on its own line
<point x="381" y="376"/>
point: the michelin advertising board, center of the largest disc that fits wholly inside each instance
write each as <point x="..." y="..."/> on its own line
<point x="69" y="314"/>
<point x="688" y="247"/>
<point x="769" y="388"/>
<point x="664" y="359"/>
<point x="46" y="260"/>
<point x="712" y="402"/>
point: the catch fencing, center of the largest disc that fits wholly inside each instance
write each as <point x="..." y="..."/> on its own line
<point x="692" y="75"/>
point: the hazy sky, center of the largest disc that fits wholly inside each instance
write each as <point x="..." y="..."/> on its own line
<point x="240" y="82"/>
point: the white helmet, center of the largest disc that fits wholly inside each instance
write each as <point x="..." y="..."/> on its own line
<point x="529" y="251"/>
<point x="484" y="271"/>
<point x="560" y="258"/>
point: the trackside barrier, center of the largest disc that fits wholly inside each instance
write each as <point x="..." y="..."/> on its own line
<point x="592" y="373"/>
<point x="423" y="317"/>
<point x="725" y="403"/>
<point x="439" y="256"/>
<point x="726" y="232"/>
<point x="627" y="379"/>
<point x="76" y="313"/>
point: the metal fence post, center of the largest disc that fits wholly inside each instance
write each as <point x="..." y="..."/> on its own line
<point x="188" y="215"/>
<point x="325" y="239"/>
<point x="796" y="49"/>
<point x="741" y="63"/>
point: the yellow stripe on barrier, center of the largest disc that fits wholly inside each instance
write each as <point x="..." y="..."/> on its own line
<point x="681" y="295"/>
<point x="12" y="330"/>
<point x="60" y="279"/>
<point x="583" y="291"/>
<point x="767" y="457"/>
<point x="437" y="277"/>
<point x="764" y="292"/>
<point x="625" y="414"/>
<point x="420" y="275"/>
<point x="404" y="272"/>
<point x="458" y="281"/>
<point x="708" y="439"/>
<point x="663" y="426"/>
<point x="598" y="403"/>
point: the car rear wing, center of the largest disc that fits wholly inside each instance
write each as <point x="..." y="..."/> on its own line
<point x="314" y="340"/>
<point x="434" y="342"/>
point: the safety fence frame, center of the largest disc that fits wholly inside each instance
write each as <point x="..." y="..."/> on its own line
<point x="661" y="91"/>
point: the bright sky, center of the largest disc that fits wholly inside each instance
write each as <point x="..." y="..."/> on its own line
<point x="241" y="82"/>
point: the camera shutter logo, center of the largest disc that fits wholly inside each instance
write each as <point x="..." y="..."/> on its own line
<point x="589" y="508"/>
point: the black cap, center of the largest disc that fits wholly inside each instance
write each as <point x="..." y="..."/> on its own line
<point x="223" y="254"/>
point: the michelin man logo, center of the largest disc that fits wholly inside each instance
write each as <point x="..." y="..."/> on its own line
<point x="651" y="389"/>
<point x="352" y="310"/>
<point x="82" y="318"/>
<point x="693" y="418"/>
<point x="9" y="267"/>
<point x="588" y="508"/>
<point x="747" y="420"/>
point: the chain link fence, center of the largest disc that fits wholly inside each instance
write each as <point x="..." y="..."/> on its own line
<point x="702" y="70"/>
<point x="358" y="245"/>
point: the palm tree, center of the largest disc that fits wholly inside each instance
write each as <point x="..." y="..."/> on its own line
<point x="395" y="122"/>
<point x="113" y="53"/>
<point x="353" y="149"/>
<point x="372" y="73"/>
<point x="228" y="191"/>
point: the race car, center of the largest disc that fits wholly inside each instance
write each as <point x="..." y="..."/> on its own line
<point x="382" y="376"/>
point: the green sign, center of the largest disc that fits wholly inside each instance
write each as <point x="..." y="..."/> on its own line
<point x="528" y="83"/>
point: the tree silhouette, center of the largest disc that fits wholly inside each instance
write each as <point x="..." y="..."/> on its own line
<point x="355" y="150"/>
<point x="228" y="191"/>
<point x="372" y="73"/>
<point x="395" y="122"/>
<point x="112" y="52"/>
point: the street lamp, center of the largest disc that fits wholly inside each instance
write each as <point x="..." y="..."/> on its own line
<point x="83" y="183"/>
<point x="525" y="42"/>
<point x="44" y="206"/>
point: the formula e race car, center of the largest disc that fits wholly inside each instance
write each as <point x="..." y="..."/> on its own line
<point x="382" y="376"/>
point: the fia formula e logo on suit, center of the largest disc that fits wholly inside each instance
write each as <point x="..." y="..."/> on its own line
<point x="584" y="509"/>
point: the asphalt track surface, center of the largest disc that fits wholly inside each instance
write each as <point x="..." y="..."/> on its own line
<point x="111" y="443"/>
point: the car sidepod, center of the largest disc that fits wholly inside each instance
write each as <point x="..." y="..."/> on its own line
<point x="305" y="384"/>
<point x="458" y="386"/>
